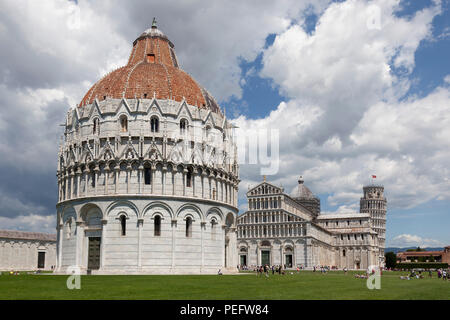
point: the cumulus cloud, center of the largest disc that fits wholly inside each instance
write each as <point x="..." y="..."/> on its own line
<point x="31" y="222"/>
<point x="344" y="118"/>
<point x="409" y="240"/>
<point x="347" y="117"/>
<point x="55" y="50"/>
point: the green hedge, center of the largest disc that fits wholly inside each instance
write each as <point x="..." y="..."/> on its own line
<point x="423" y="265"/>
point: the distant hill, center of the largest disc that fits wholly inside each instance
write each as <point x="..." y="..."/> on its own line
<point x="395" y="250"/>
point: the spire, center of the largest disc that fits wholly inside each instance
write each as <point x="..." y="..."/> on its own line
<point x="154" y="23"/>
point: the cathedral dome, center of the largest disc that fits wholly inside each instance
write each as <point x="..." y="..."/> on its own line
<point x="301" y="191"/>
<point x="152" y="71"/>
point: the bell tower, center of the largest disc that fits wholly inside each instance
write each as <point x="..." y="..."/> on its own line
<point x="374" y="203"/>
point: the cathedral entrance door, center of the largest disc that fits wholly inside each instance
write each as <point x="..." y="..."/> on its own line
<point x="243" y="260"/>
<point x="94" y="253"/>
<point x="289" y="261"/>
<point x="265" y="257"/>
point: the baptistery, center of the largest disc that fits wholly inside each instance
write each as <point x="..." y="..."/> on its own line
<point x="147" y="172"/>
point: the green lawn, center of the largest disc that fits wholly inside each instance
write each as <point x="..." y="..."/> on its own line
<point x="303" y="285"/>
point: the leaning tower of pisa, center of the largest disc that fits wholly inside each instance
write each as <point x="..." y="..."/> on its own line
<point x="374" y="203"/>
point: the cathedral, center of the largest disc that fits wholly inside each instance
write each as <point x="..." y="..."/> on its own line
<point x="289" y="230"/>
<point x="147" y="172"/>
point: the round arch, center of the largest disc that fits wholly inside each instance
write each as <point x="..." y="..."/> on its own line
<point x="190" y="209"/>
<point x="214" y="211"/>
<point x="125" y="203"/>
<point x="154" y="206"/>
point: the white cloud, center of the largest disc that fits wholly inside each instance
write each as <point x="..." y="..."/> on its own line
<point x="32" y="222"/>
<point x="347" y="118"/>
<point x="447" y="79"/>
<point x="409" y="240"/>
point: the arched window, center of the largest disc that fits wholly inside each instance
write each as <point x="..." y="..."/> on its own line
<point x="157" y="225"/>
<point x="123" y="123"/>
<point x="208" y="132"/>
<point x="343" y="253"/>
<point x="154" y="124"/>
<point x="188" y="227"/>
<point x="189" y="178"/>
<point x="183" y="126"/>
<point x="96" y="126"/>
<point x="147" y="175"/>
<point x="123" y="225"/>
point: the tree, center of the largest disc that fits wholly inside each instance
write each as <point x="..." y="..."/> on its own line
<point x="431" y="259"/>
<point x="391" y="259"/>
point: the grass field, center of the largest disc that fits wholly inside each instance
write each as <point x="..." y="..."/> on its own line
<point x="302" y="285"/>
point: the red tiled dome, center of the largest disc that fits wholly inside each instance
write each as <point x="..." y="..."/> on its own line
<point x="152" y="69"/>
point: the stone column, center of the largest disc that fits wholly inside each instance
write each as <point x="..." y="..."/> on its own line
<point x="96" y="171"/>
<point x="66" y="185"/>
<point x="79" y="173"/>
<point x="86" y="178"/>
<point x="128" y="173"/>
<point x="106" y="179"/>
<point x="194" y="176"/>
<point x="210" y="185"/>
<point x="141" y="178"/>
<point x="102" y="244"/>
<point x="72" y="184"/>
<point x="258" y="253"/>
<point x="79" y="243"/>
<point x="184" y="181"/>
<point x="116" y="176"/>
<point x="140" y="225"/>
<point x="59" y="246"/>
<point x="163" y="179"/>
<point x="174" y="227"/>
<point x="203" y="183"/>
<point x="202" y="226"/>
<point x="152" y="173"/>
<point x="173" y="181"/>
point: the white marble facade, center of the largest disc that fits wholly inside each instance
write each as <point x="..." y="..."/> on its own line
<point x="109" y="168"/>
<point x="288" y="230"/>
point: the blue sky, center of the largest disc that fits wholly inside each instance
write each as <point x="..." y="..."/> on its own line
<point x="348" y="97"/>
<point x="431" y="219"/>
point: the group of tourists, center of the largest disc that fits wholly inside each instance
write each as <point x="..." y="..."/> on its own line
<point x="266" y="269"/>
<point x="444" y="274"/>
<point x="323" y="269"/>
<point x="441" y="274"/>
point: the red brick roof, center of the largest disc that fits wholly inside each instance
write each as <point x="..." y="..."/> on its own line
<point x="419" y="253"/>
<point x="152" y="69"/>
